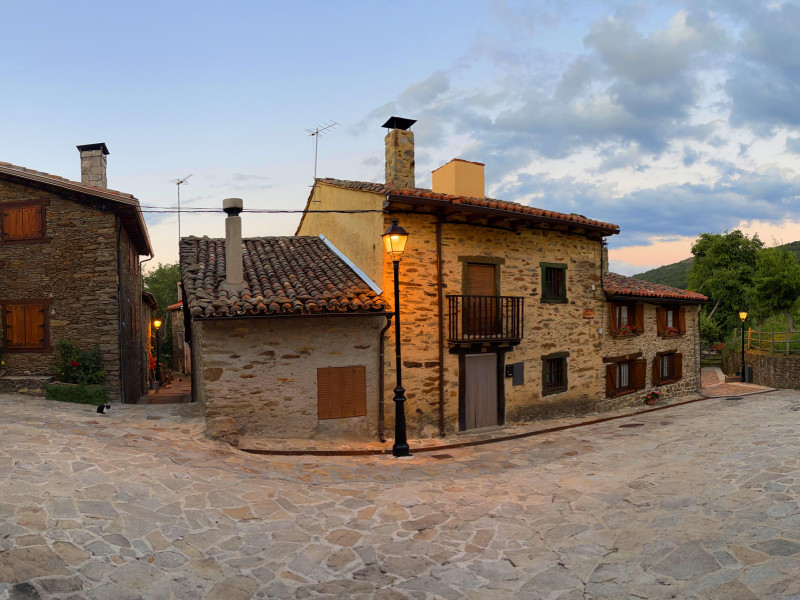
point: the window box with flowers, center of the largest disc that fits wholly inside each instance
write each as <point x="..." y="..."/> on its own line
<point x="626" y="318"/>
<point x="670" y="321"/>
<point x="652" y="397"/>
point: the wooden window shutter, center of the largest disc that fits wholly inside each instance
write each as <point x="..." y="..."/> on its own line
<point x="682" y="320"/>
<point x="23" y="223"/>
<point x="612" y="311"/>
<point x="611" y="379"/>
<point x="639" y="317"/>
<point x="678" y="365"/>
<point x="341" y="392"/>
<point x="639" y="373"/>
<point x="25" y="326"/>
<point x="661" y="320"/>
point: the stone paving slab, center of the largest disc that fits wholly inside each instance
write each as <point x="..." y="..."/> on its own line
<point x="698" y="501"/>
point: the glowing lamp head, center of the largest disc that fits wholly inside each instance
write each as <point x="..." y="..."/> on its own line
<point x="395" y="240"/>
<point x="743" y="315"/>
<point x="157" y="323"/>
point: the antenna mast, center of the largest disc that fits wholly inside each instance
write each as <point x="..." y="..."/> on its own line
<point x="179" y="183"/>
<point x="316" y="133"/>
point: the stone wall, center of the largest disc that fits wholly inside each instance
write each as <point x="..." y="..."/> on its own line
<point x="76" y="269"/>
<point x="262" y="372"/>
<point x="771" y="370"/>
<point x="649" y="344"/>
<point x="134" y="330"/>
<point x="178" y="345"/>
<point x="548" y="328"/>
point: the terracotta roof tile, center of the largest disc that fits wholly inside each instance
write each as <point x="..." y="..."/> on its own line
<point x="620" y="285"/>
<point x="283" y="275"/>
<point x="490" y="203"/>
<point x="176" y="306"/>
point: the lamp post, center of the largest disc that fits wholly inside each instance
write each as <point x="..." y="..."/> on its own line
<point x="743" y="317"/>
<point x="157" y="325"/>
<point x="394" y="240"/>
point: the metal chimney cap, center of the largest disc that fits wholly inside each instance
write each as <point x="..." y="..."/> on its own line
<point x="399" y="123"/>
<point x="88" y="147"/>
<point x="232" y="206"/>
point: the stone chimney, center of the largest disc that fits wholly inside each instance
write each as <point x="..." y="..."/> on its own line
<point x="234" y="279"/>
<point x="460" y="178"/>
<point x="93" y="165"/>
<point x="399" y="153"/>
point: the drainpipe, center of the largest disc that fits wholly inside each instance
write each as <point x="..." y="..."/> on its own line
<point x="381" y="376"/>
<point x="440" y="302"/>
<point x="120" y="326"/>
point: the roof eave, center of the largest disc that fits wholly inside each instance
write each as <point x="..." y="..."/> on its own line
<point x="652" y="299"/>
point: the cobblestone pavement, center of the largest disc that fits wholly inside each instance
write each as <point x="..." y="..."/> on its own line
<point x="695" y="501"/>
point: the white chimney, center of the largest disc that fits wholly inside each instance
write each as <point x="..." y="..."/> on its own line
<point x="234" y="279"/>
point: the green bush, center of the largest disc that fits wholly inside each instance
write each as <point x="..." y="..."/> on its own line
<point x="79" y="393"/>
<point x="710" y="332"/>
<point x="73" y="365"/>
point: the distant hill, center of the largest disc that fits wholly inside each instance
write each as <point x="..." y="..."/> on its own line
<point x="674" y="275"/>
<point x="677" y="274"/>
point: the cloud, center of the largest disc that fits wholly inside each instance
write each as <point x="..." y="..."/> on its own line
<point x="245" y="182"/>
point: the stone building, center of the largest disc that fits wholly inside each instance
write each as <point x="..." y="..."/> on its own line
<point x="69" y="270"/>
<point x="285" y="336"/>
<point x="506" y="309"/>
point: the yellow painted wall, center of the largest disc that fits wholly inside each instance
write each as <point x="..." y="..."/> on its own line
<point x="357" y="235"/>
<point x="460" y="178"/>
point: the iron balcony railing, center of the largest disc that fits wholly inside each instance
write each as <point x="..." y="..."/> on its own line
<point x="485" y="319"/>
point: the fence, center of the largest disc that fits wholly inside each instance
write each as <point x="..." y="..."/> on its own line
<point x="776" y="342"/>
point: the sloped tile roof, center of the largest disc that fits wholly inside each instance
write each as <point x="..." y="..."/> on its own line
<point x="466" y="201"/>
<point x="176" y="306"/>
<point x="620" y="285"/>
<point x="126" y="204"/>
<point x="283" y="275"/>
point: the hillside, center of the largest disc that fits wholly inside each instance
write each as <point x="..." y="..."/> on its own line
<point x="677" y="274"/>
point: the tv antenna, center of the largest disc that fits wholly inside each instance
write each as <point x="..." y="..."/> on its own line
<point x="179" y="183"/>
<point x="316" y="133"/>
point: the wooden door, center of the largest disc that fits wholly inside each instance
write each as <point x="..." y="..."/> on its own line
<point x="480" y="390"/>
<point x="480" y="306"/>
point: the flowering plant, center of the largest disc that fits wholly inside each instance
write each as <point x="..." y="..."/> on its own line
<point x="671" y="331"/>
<point x="73" y="365"/>
<point x="652" y="397"/>
<point x="625" y="330"/>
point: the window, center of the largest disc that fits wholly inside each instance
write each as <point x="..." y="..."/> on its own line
<point x="554" y="282"/>
<point x="667" y="367"/>
<point x="627" y="318"/>
<point x="22" y="221"/>
<point x="554" y="373"/>
<point x="671" y="320"/>
<point x="625" y="375"/>
<point x="25" y="325"/>
<point x="341" y="392"/>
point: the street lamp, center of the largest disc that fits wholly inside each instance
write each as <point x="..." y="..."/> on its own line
<point x="394" y="241"/>
<point x="157" y="325"/>
<point x="743" y="317"/>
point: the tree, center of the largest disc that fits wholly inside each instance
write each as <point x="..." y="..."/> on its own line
<point x="162" y="282"/>
<point x="776" y="286"/>
<point x="724" y="269"/>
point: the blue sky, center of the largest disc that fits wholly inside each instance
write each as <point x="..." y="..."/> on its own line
<point x="668" y="118"/>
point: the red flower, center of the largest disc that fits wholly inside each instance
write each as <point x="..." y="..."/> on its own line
<point x="74" y="363"/>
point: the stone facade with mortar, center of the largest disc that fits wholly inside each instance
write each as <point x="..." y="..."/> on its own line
<point x="649" y="344"/>
<point x="75" y="270"/>
<point x="262" y="372"/>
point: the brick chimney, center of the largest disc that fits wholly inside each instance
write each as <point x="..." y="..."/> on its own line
<point x="234" y="279"/>
<point x="93" y="165"/>
<point x="460" y="178"/>
<point x="399" y="153"/>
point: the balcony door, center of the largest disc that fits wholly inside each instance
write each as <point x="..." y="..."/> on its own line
<point x="480" y="305"/>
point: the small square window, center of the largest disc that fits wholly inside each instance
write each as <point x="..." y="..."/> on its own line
<point x="625" y="376"/>
<point x="341" y="392"/>
<point x="25" y="325"/>
<point x="554" y="282"/>
<point x="667" y="367"/>
<point x="627" y="318"/>
<point x="671" y="321"/>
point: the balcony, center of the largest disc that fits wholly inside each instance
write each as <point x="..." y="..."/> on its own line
<point x="485" y="319"/>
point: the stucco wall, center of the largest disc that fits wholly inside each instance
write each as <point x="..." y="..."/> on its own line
<point x="76" y="268"/>
<point x="357" y="235"/>
<point x="650" y="343"/>
<point x="262" y="372"/>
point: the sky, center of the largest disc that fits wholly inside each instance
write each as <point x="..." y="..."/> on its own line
<point x="668" y="118"/>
